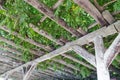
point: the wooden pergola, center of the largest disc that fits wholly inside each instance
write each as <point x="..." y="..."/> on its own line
<point x="99" y="62"/>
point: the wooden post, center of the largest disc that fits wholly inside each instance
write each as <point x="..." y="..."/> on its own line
<point x="102" y="70"/>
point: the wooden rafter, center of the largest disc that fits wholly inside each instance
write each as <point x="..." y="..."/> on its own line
<point x="39" y="55"/>
<point x="10" y="49"/>
<point x="49" y="13"/>
<point x="21" y="47"/>
<point x="86" y="39"/>
<point x="45" y="34"/>
<point x="68" y="65"/>
<point x="26" y="39"/>
<point x="92" y="10"/>
<point x="57" y="4"/>
<point x="92" y="25"/>
<point x="78" y="61"/>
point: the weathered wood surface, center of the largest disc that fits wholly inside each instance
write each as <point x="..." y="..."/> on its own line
<point x="26" y="39"/>
<point x="100" y="8"/>
<point x="6" y="48"/>
<point x="21" y="47"/>
<point x="85" y="54"/>
<point x="57" y="4"/>
<point x="65" y="63"/>
<point x="102" y="70"/>
<point x="29" y="72"/>
<point x="117" y="26"/>
<point x="43" y="58"/>
<point x="49" y="13"/>
<point x="108" y="17"/>
<point x="45" y="34"/>
<point x="78" y="61"/>
<point x="105" y="31"/>
<point x="92" y="25"/>
<point x="63" y="74"/>
<point x="38" y="55"/>
<point x="92" y="10"/>
<point x="112" y="51"/>
<point x="80" y="30"/>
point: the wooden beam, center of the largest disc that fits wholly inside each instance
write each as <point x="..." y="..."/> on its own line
<point x="57" y="4"/>
<point x="43" y="58"/>
<point x="6" y="48"/>
<point x="93" y="25"/>
<point x="102" y="70"/>
<point x="85" y="54"/>
<point x="38" y="55"/>
<point x="26" y="39"/>
<point x="78" y="61"/>
<point x="49" y="13"/>
<point x="21" y="47"/>
<point x="80" y="30"/>
<point x="29" y="72"/>
<point x="92" y="10"/>
<point x="105" y="31"/>
<point x="112" y="51"/>
<point x="65" y="63"/>
<point x="100" y="8"/>
<point x="108" y="17"/>
<point x="45" y="34"/>
<point x="65" y="75"/>
<point x="117" y="26"/>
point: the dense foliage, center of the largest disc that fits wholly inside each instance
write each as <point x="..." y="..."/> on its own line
<point x="17" y="15"/>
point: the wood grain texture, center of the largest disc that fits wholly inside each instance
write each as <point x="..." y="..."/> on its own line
<point x="92" y="10"/>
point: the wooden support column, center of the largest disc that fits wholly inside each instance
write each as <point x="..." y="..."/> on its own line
<point x="102" y="70"/>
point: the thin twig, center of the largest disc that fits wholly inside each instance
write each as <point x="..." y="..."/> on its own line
<point x="106" y="4"/>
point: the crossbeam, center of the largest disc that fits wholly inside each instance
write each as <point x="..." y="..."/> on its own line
<point x="105" y="31"/>
<point x="112" y="51"/>
<point x="92" y="10"/>
<point x="49" y="13"/>
<point x="85" y="54"/>
<point x="29" y="72"/>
